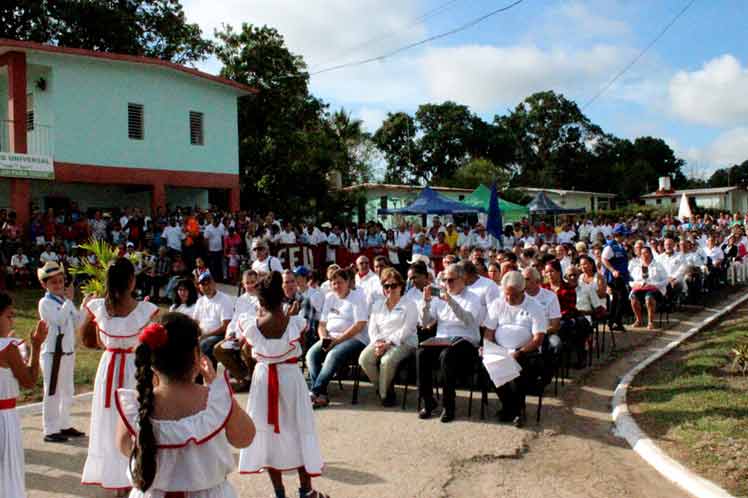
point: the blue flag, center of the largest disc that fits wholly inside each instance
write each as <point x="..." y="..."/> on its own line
<point x="494" y="225"/>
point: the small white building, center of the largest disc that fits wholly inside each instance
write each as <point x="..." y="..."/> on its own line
<point x="732" y="199"/>
<point x="575" y="199"/>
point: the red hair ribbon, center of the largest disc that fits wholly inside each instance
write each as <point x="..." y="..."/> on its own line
<point x="154" y="335"/>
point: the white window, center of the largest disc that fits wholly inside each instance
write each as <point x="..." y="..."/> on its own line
<point x="135" y="124"/>
<point x="196" y="128"/>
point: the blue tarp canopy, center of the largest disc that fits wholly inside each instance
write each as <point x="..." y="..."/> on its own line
<point x="430" y="202"/>
<point x="543" y="205"/>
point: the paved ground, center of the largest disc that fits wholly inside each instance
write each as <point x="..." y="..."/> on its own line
<point x="375" y="452"/>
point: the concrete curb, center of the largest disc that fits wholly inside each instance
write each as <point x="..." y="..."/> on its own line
<point x="627" y="428"/>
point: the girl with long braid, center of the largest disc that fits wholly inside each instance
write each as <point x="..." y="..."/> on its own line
<point x="113" y="323"/>
<point x="177" y="433"/>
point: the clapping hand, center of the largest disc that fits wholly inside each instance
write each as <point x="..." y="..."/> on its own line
<point x="39" y="335"/>
<point x="207" y="370"/>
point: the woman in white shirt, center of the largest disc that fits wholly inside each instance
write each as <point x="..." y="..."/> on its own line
<point x="392" y="332"/>
<point x="342" y="334"/>
<point x="186" y="297"/>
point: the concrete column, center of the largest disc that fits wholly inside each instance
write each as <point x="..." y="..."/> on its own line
<point x="20" y="189"/>
<point x="234" y="199"/>
<point x="158" y="198"/>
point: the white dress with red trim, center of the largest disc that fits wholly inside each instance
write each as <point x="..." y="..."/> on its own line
<point x="105" y="465"/>
<point x="194" y="456"/>
<point x="279" y="404"/>
<point x="11" y="442"/>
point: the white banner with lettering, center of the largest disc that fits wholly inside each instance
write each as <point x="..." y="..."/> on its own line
<point x="26" y="166"/>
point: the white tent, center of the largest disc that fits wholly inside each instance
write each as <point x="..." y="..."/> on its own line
<point x="684" y="210"/>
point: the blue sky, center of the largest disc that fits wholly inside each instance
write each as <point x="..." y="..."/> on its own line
<point x="690" y="88"/>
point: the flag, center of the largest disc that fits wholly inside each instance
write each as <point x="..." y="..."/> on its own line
<point x="494" y="225"/>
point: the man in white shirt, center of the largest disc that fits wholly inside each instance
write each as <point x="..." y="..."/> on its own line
<point x="481" y="239"/>
<point x="214" y="234"/>
<point x="562" y="254"/>
<point x="547" y="299"/>
<point x="674" y="265"/>
<point x="484" y="287"/>
<point x="174" y="235"/>
<point x="264" y="263"/>
<point x="403" y="238"/>
<point x="287" y="236"/>
<point x="19" y="266"/>
<point x="213" y="311"/>
<point x="648" y="286"/>
<point x="516" y="323"/>
<point x="457" y="314"/>
<point x="566" y="235"/>
<point x="333" y="242"/>
<point x="49" y="255"/>
<point x="367" y="281"/>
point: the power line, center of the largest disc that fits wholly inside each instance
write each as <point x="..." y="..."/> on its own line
<point x="639" y="55"/>
<point x="465" y="26"/>
<point x="423" y="17"/>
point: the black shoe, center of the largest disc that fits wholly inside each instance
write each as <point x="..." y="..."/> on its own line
<point x="447" y="416"/>
<point x="506" y="417"/>
<point x="72" y="432"/>
<point x="55" y="438"/>
<point x="428" y="407"/>
<point x="518" y="421"/>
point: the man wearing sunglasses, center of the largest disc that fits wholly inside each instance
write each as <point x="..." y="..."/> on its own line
<point x="264" y="262"/>
<point x="457" y="313"/>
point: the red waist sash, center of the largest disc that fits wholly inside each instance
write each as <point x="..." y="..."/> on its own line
<point x="274" y="393"/>
<point x="122" y="354"/>
<point x="7" y="404"/>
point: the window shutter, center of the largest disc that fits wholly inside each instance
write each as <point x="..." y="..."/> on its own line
<point x="30" y="112"/>
<point x="196" y="128"/>
<point x="135" y="125"/>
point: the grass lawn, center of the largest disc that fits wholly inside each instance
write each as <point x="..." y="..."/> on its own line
<point x="696" y="408"/>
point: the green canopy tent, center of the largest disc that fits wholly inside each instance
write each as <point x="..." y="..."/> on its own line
<point x="510" y="212"/>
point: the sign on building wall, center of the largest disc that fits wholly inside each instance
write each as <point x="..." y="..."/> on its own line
<point x="26" y="166"/>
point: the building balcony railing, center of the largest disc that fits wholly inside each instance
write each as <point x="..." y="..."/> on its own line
<point x="39" y="138"/>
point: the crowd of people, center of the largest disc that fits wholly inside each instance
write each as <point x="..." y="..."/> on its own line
<point x="453" y="298"/>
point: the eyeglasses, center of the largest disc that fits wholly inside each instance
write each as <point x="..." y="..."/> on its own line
<point x="450" y="280"/>
<point x="258" y="249"/>
<point x="390" y="286"/>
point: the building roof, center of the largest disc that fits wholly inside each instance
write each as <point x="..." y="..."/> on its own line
<point x="556" y="191"/>
<point x="7" y="45"/>
<point x="691" y="191"/>
<point x="403" y="188"/>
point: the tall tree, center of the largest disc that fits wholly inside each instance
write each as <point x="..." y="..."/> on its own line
<point x="288" y="142"/>
<point x="153" y="28"/>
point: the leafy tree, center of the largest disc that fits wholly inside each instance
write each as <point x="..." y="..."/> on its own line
<point x="478" y="171"/>
<point x="288" y="142"/>
<point x="551" y="138"/>
<point x="153" y="28"/>
<point x="434" y="144"/>
<point x="732" y="176"/>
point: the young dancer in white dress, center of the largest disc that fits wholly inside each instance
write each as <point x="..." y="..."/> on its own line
<point x="177" y="433"/>
<point x="112" y="322"/>
<point x="14" y="370"/>
<point x="279" y="401"/>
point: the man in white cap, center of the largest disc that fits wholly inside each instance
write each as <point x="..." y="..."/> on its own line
<point x="56" y="308"/>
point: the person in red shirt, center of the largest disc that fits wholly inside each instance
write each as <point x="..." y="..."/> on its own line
<point x="439" y="250"/>
<point x="575" y="329"/>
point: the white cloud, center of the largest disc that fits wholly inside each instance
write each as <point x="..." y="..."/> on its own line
<point x="485" y="76"/>
<point x="588" y="23"/>
<point x="713" y="95"/>
<point x="323" y="31"/>
<point x="371" y="117"/>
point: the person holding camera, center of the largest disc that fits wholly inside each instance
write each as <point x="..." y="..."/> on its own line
<point x="342" y="334"/>
<point x="457" y="313"/>
<point x="648" y="287"/>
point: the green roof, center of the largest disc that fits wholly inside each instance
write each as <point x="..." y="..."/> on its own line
<point x="510" y="211"/>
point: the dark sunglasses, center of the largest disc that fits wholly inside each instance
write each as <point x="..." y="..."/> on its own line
<point x="258" y="249"/>
<point x="390" y="286"/>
